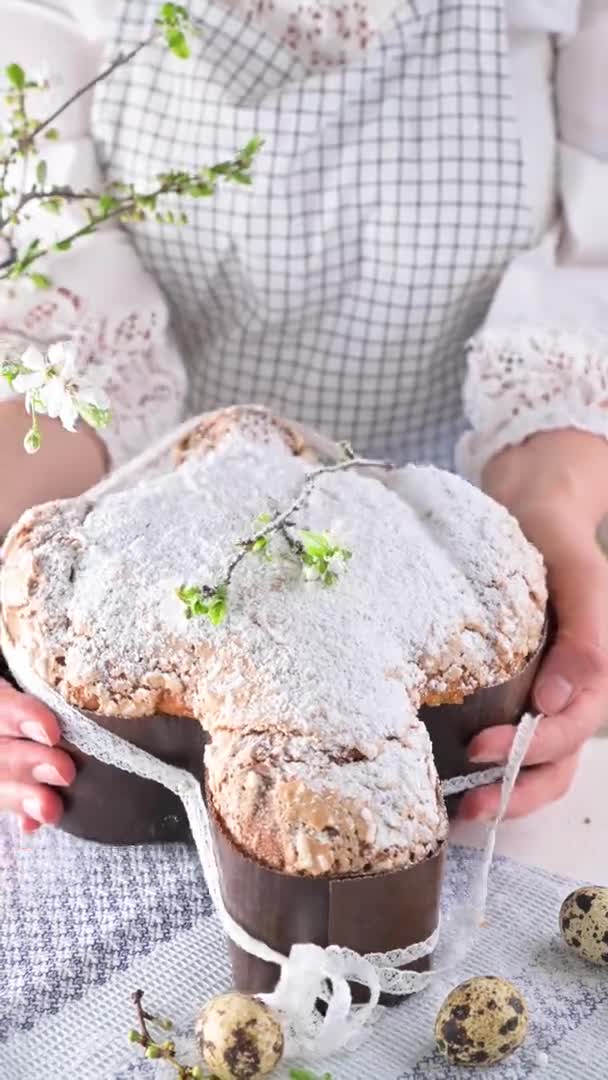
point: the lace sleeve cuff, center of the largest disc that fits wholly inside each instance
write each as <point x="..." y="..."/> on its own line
<point x="131" y="355"/>
<point x="528" y="380"/>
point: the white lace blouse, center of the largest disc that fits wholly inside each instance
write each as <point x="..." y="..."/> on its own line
<point x="539" y="362"/>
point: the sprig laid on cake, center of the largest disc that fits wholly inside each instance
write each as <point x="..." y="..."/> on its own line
<point x="59" y="394"/>
<point x="320" y="555"/>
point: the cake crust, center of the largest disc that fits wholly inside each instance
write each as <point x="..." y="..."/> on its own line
<point x="318" y="763"/>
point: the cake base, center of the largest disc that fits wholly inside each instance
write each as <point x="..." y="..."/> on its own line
<point x="111" y="806"/>
<point x="375" y="913"/>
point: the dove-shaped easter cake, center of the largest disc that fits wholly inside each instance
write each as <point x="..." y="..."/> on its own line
<point x="310" y="684"/>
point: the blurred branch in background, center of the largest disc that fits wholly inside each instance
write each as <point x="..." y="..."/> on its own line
<point x="50" y="380"/>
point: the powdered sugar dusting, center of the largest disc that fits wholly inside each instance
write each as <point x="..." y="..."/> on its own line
<point x="442" y="596"/>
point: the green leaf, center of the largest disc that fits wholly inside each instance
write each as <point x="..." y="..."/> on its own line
<point x="52" y="206"/>
<point x="173" y="14"/>
<point x="63" y="245"/>
<point x="168" y="14"/>
<point x="304" y="1074"/>
<point x="41" y="281"/>
<point x="41" y="171"/>
<point x="217" y="612"/>
<point x="201" y="190"/>
<point x="317" y="545"/>
<point x="107" y="203"/>
<point x="9" y="373"/>
<point x="94" y="416"/>
<point x="176" y="40"/>
<point x="252" y="148"/>
<point x="15" y="75"/>
<point x="30" y="251"/>
<point x="214" y="608"/>
<point x="51" y="134"/>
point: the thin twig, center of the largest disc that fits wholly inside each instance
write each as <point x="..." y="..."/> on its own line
<point x="119" y="61"/>
<point x="281" y="521"/>
<point x="142" y="1016"/>
<point x="125" y="207"/>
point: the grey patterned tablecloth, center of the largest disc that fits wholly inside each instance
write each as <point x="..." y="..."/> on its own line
<point x="83" y="925"/>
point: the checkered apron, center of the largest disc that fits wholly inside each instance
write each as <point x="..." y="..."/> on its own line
<point x="339" y="289"/>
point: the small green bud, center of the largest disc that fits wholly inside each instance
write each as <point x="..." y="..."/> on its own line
<point x="107" y="203"/>
<point x="176" y="40"/>
<point x="51" y="134"/>
<point x="41" y="281"/>
<point x="15" y="75"/>
<point x="134" y="1036"/>
<point x="32" y="441"/>
<point x="153" y="1051"/>
<point x="94" y="416"/>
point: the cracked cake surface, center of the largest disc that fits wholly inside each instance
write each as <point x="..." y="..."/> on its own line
<point x="317" y="761"/>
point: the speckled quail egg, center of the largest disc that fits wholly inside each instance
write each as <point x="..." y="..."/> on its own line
<point x="583" y="922"/>
<point x="239" y="1037"/>
<point x="481" y="1022"/>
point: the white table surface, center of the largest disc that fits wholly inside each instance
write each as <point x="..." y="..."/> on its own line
<point x="569" y="837"/>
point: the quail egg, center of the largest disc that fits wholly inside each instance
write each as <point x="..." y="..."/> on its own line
<point x="583" y="922"/>
<point x="239" y="1037"/>
<point x="481" y="1022"/>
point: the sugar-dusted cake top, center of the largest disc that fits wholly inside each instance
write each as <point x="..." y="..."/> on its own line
<point x="442" y="595"/>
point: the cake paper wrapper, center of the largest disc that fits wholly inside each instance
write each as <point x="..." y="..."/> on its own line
<point x="452" y="727"/>
<point x="368" y="914"/>
<point x="139" y="811"/>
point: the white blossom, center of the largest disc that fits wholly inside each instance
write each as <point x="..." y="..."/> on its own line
<point x="53" y="385"/>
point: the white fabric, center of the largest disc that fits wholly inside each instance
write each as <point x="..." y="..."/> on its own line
<point x="84" y="925"/>
<point x="103" y="291"/>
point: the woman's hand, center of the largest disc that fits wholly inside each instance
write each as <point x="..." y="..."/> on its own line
<point x="556" y="485"/>
<point x="31" y="767"/>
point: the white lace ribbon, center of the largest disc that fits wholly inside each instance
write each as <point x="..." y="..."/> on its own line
<point x="307" y="971"/>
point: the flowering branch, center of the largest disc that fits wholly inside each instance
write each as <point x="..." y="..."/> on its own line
<point x="53" y="386"/>
<point x="173" y="23"/>
<point x="159" y="1051"/>
<point x="321" y="556"/>
<point x="49" y="387"/>
<point x="133" y="206"/>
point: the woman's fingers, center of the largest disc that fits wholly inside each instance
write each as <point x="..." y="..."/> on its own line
<point x="29" y="762"/>
<point x="557" y="737"/>
<point x="535" y="787"/>
<point x="28" y="825"/>
<point x="38" y="803"/>
<point x="22" y="716"/>
<point x="578" y="661"/>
